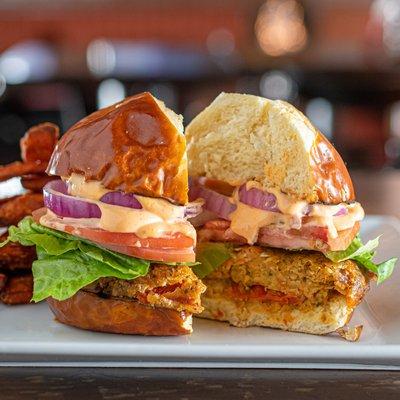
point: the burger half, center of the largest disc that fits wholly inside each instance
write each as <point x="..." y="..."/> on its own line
<point x="114" y="246"/>
<point x="278" y="234"/>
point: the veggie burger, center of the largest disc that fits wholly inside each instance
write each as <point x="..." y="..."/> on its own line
<point x="115" y="249"/>
<point x="278" y="236"/>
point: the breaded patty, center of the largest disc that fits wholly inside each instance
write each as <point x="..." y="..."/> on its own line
<point x="299" y="291"/>
<point x="303" y="275"/>
<point x="166" y="286"/>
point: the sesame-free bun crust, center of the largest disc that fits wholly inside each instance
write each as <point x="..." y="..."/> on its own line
<point x="241" y="137"/>
<point x="89" y="311"/>
<point x="135" y="146"/>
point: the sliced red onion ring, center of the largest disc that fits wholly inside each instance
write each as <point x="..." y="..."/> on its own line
<point x="193" y="209"/>
<point x="56" y="199"/>
<point x="258" y="199"/>
<point x="213" y="201"/>
<point x="121" y="199"/>
<point x="342" y="211"/>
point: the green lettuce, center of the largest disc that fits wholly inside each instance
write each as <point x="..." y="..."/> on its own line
<point x="67" y="263"/>
<point x="210" y="256"/>
<point x="363" y="254"/>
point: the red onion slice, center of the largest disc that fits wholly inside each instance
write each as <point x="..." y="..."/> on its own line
<point x="258" y="199"/>
<point x="213" y="201"/>
<point x="56" y="199"/>
<point x="342" y="211"/>
<point x="193" y="209"/>
<point x="121" y="199"/>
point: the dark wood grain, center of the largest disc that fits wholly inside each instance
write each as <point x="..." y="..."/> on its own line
<point x="175" y="384"/>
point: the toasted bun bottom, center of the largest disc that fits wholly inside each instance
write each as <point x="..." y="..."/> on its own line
<point x="316" y="320"/>
<point x="88" y="311"/>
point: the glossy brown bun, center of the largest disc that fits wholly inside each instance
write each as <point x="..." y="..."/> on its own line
<point x="88" y="311"/>
<point x="240" y="138"/>
<point x="135" y="146"/>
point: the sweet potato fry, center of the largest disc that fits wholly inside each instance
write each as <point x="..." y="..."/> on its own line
<point x="18" y="290"/>
<point x="19" y="168"/>
<point x="3" y="280"/>
<point x="12" y="211"/>
<point x="35" y="182"/>
<point x="37" y="145"/>
<point x="2" y="201"/>
<point x="38" y="142"/>
<point x="14" y="256"/>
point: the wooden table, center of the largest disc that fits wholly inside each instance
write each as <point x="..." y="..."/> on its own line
<point x="380" y="194"/>
<point x="201" y="384"/>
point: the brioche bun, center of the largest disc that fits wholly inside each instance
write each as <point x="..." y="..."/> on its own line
<point x="135" y="146"/>
<point x="89" y="311"/>
<point x="240" y="137"/>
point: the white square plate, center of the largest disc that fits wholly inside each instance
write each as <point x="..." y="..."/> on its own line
<point x="30" y="336"/>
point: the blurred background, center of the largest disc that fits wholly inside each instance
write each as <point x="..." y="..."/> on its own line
<point x="337" y="60"/>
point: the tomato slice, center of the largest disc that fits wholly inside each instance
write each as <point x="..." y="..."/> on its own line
<point x="154" y="254"/>
<point x="174" y="241"/>
<point x="132" y="245"/>
<point x="174" y="248"/>
<point x="260" y="293"/>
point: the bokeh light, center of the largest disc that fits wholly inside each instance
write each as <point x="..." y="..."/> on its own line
<point x="31" y="60"/>
<point x="280" y="27"/>
<point x="3" y="84"/>
<point x="110" y="91"/>
<point x="100" y="57"/>
<point x="278" y="85"/>
<point x="220" y="42"/>
<point x="320" y="112"/>
<point x="388" y="13"/>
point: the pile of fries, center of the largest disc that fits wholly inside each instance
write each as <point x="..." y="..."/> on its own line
<point x="15" y="260"/>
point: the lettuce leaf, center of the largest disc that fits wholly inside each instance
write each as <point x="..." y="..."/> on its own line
<point x="210" y="256"/>
<point x="67" y="263"/>
<point x="363" y="254"/>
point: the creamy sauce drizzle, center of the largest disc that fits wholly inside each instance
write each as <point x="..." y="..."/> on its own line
<point x="247" y="220"/>
<point x="157" y="217"/>
<point x="77" y="186"/>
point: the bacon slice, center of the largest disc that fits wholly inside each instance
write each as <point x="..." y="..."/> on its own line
<point x="306" y="238"/>
<point x="219" y="231"/>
